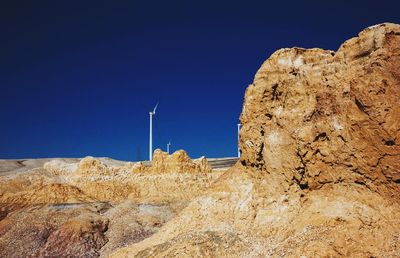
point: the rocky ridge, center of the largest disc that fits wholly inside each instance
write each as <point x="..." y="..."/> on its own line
<point x="319" y="171"/>
<point x="81" y="208"/>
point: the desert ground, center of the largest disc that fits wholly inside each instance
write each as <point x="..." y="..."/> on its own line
<point x="80" y="207"/>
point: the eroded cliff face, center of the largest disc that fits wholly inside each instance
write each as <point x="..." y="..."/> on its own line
<point x="315" y="117"/>
<point x="319" y="171"/>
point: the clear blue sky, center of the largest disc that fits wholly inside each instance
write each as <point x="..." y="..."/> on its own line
<point x="78" y="78"/>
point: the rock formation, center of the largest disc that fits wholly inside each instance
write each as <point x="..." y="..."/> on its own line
<point x="53" y="231"/>
<point x="178" y="162"/>
<point x="91" y="207"/>
<point x="316" y="117"/>
<point x="320" y="165"/>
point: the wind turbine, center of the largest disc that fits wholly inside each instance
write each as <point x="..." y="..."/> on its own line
<point x="238" y="132"/>
<point x="168" y="144"/>
<point x="152" y="113"/>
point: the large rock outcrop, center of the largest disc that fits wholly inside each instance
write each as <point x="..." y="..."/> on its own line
<point x="319" y="171"/>
<point x="316" y="117"/>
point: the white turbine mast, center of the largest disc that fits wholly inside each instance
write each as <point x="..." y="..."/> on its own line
<point x="238" y="132"/>
<point x="168" y="145"/>
<point x="152" y="113"/>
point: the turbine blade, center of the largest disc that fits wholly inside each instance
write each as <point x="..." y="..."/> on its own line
<point x="154" y="110"/>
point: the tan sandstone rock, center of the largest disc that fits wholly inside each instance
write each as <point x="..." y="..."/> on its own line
<point x="316" y="117"/>
<point x="178" y="162"/>
<point x="90" y="207"/>
<point x="319" y="171"/>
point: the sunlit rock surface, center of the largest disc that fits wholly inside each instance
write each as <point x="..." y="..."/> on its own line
<point x="90" y="207"/>
<point x="320" y="165"/>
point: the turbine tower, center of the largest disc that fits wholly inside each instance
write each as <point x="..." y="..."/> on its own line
<point x="152" y="113"/>
<point x="238" y="132"/>
<point x="168" y="144"/>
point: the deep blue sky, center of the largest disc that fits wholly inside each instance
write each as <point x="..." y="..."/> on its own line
<point x="78" y="78"/>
